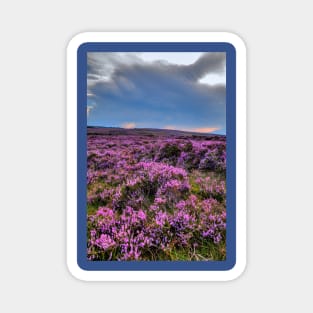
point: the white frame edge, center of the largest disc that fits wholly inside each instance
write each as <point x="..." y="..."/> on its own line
<point x="71" y="151"/>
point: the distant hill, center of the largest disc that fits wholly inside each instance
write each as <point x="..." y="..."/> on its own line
<point x="96" y="130"/>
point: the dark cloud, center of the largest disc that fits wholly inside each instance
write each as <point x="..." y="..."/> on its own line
<point x="207" y="63"/>
<point x="125" y="89"/>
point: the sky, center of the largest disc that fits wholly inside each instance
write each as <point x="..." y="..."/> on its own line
<point x="171" y="90"/>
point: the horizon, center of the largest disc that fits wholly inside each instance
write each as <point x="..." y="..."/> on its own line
<point x="153" y="128"/>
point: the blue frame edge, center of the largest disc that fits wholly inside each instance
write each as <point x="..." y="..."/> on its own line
<point x="230" y="261"/>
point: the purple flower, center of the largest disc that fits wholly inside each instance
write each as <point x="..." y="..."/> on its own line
<point x="105" y="242"/>
<point x="155" y="198"/>
<point x="142" y="215"/>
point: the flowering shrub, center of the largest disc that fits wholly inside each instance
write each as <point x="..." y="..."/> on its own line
<point x="156" y="198"/>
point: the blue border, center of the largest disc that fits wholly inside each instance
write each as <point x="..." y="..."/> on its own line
<point x="230" y="261"/>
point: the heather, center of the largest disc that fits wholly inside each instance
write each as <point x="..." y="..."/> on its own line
<point x="156" y="197"/>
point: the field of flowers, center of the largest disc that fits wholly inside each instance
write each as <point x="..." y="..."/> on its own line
<point x="156" y="197"/>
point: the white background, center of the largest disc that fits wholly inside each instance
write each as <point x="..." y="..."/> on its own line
<point x="34" y="34"/>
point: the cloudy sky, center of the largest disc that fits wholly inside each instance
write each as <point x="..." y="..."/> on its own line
<point x="174" y="90"/>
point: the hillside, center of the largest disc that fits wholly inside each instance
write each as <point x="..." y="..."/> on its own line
<point x="149" y="132"/>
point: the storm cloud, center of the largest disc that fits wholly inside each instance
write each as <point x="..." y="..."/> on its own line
<point x="124" y="89"/>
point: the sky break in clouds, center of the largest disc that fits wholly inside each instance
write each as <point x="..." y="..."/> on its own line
<point x="174" y="90"/>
